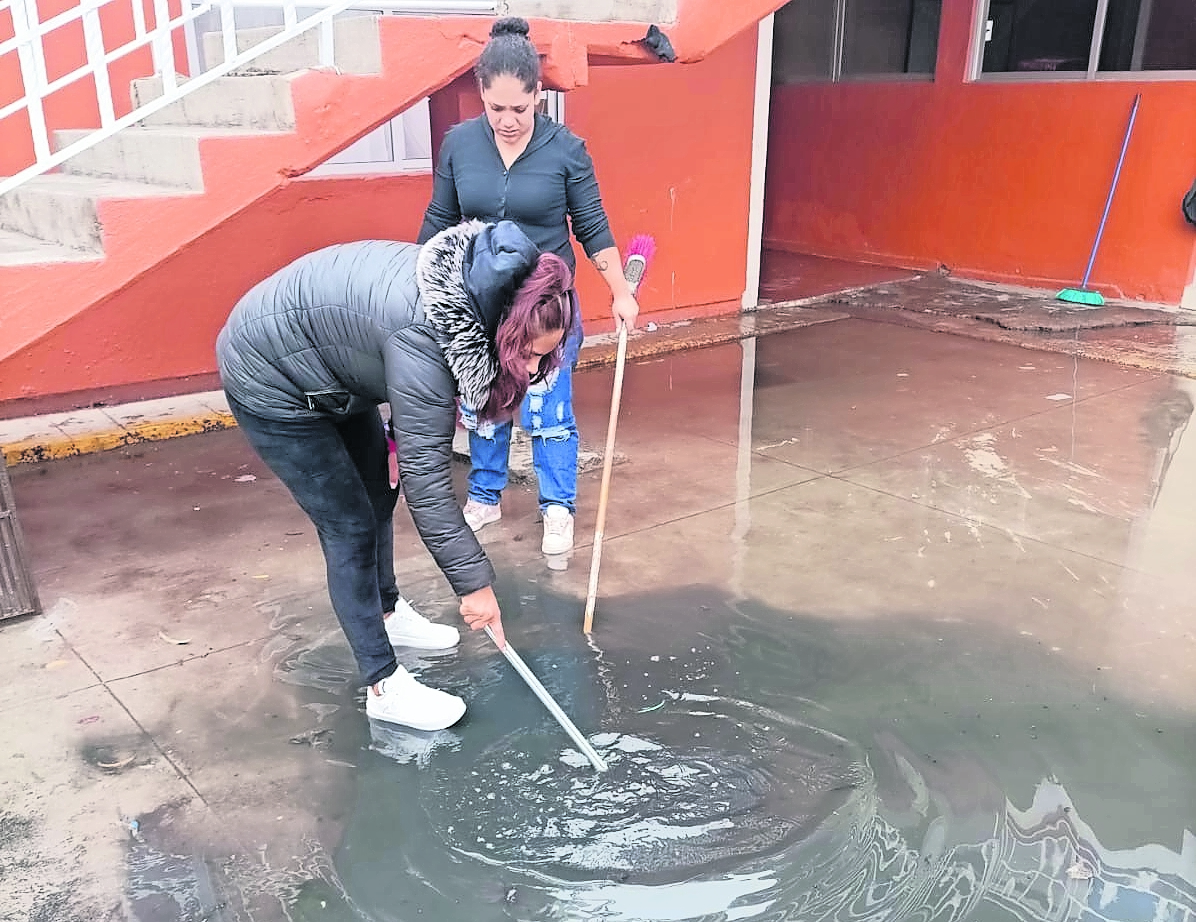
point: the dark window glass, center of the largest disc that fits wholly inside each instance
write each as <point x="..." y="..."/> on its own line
<point x="1149" y="35"/>
<point x="1038" y="35"/>
<point x="890" y="36"/>
<point x="803" y="41"/>
<point x="879" y="37"/>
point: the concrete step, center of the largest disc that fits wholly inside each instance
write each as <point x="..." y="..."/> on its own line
<point x="61" y="209"/>
<point x="164" y="156"/>
<point x="660" y="12"/>
<point x="260" y="102"/>
<point x="22" y="250"/>
<point x="356" y="44"/>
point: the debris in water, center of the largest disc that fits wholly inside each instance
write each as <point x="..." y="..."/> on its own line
<point x="116" y="766"/>
<point x="317" y="738"/>
<point x="1081" y="870"/>
<point x="655" y="707"/>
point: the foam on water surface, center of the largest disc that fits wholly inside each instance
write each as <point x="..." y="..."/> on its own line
<point x="666" y="808"/>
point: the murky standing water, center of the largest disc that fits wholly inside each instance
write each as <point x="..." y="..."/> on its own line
<point x="767" y="765"/>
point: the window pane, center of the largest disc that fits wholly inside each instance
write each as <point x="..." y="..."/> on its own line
<point x="1149" y="35"/>
<point x="1038" y="35"/>
<point x="375" y="147"/>
<point x="890" y="36"/>
<point x="417" y="132"/>
<point x="803" y="37"/>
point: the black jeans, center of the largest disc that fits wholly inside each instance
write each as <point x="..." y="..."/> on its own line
<point x="337" y="472"/>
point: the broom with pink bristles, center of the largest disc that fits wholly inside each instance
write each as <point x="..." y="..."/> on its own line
<point x="639" y="253"/>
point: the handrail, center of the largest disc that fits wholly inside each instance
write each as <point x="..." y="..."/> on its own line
<point x="29" y="34"/>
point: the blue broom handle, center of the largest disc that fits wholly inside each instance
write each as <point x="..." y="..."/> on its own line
<point x="1100" y="232"/>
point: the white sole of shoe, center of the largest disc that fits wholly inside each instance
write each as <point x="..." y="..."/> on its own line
<point x="426" y="726"/>
<point x="410" y="644"/>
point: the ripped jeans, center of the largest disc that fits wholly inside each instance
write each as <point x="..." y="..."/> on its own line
<point x="547" y="416"/>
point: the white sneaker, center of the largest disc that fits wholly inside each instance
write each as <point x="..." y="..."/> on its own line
<point x="558" y="530"/>
<point x="408" y="628"/>
<point x="400" y="699"/>
<point x="479" y="515"/>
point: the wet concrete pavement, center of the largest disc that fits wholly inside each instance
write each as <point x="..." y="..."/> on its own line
<point x="892" y="625"/>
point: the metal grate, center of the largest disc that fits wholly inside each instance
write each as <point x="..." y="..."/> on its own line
<point x="18" y="595"/>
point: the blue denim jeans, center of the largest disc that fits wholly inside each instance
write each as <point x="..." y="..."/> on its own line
<point x="336" y="469"/>
<point x="546" y="414"/>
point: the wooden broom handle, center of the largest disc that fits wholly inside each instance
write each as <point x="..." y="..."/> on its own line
<point x="607" y="463"/>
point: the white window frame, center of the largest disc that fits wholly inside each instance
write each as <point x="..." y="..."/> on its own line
<point x="554" y="105"/>
<point x="979" y="39"/>
<point x="353" y="161"/>
<point x="356" y="159"/>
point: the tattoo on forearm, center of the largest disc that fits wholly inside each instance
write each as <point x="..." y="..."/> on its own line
<point x="600" y="264"/>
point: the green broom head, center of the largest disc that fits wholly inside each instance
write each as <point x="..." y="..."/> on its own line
<point x="1081" y="296"/>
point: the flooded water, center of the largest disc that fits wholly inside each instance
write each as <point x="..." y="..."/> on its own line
<point x="892" y="626"/>
<point x="775" y="767"/>
<point x="836" y="706"/>
<point x="934" y="686"/>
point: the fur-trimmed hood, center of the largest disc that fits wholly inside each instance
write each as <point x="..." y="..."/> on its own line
<point x="467" y="277"/>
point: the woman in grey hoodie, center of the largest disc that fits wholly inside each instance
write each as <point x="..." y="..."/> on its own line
<point x="307" y="356"/>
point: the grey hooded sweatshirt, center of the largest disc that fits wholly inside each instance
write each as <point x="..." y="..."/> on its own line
<point x="548" y="189"/>
<point x="350" y="326"/>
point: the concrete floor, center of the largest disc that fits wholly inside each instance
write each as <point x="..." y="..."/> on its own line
<point x="906" y="525"/>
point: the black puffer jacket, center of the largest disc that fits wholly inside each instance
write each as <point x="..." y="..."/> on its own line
<point x="351" y="326"/>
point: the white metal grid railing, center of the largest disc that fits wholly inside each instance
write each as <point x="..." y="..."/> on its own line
<point x="28" y="44"/>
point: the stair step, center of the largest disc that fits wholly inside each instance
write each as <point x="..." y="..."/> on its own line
<point x="60" y="208"/>
<point x="661" y="12"/>
<point x="356" y="43"/>
<point x="161" y="156"/>
<point x="22" y="250"/>
<point x="260" y="102"/>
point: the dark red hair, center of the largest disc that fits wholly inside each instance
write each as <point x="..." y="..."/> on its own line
<point x="543" y="304"/>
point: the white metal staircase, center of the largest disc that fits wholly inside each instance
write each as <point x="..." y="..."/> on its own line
<point x="49" y="210"/>
<point x="306" y="38"/>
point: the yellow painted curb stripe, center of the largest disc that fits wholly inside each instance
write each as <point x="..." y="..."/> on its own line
<point x="65" y="445"/>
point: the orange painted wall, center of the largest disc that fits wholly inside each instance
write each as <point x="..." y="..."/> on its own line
<point x="164" y="325"/>
<point x="996" y="181"/>
<point x="75" y="105"/>
<point x="643" y="125"/>
<point x="672" y="146"/>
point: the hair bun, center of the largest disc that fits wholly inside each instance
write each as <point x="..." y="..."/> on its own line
<point x="510" y="25"/>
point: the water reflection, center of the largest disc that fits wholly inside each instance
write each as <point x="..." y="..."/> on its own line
<point x="935" y="762"/>
<point x="926" y="792"/>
